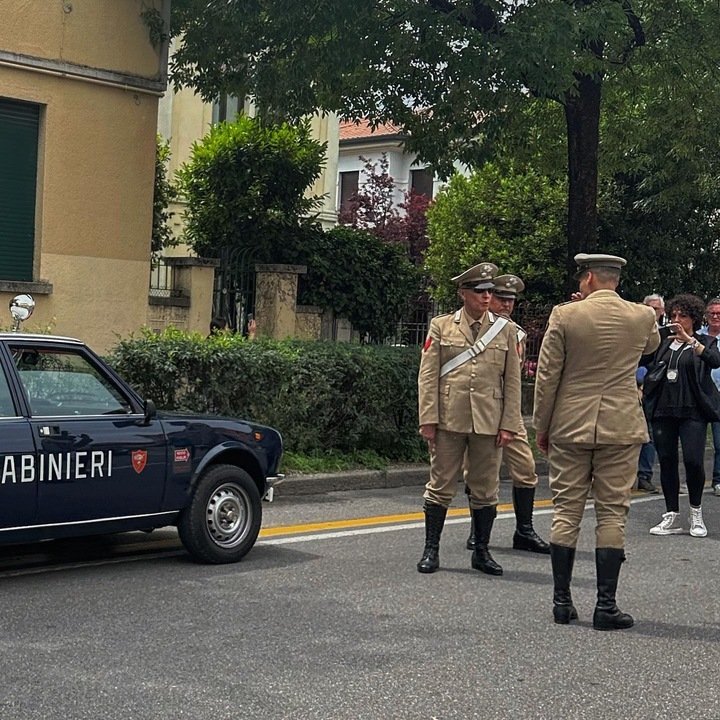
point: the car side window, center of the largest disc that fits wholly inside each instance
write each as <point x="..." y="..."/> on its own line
<point x="63" y="382"/>
<point x="7" y="408"/>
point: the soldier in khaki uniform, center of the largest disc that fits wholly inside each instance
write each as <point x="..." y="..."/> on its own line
<point x="589" y="421"/>
<point x="469" y="400"/>
<point x="517" y="455"/>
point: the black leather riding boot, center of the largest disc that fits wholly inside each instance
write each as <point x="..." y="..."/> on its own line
<point x="607" y="615"/>
<point x="482" y="560"/>
<point x="470" y="544"/>
<point x="563" y="559"/>
<point x="434" y="523"/>
<point x="525" y="537"/>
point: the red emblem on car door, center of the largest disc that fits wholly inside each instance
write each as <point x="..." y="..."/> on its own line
<point x="139" y="459"/>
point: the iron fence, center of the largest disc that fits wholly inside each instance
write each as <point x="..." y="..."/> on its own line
<point x="234" y="291"/>
<point x="413" y="328"/>
<point x="532" y="318"/>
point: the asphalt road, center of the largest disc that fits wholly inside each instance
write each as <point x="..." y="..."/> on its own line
<point x="327" y="618"/>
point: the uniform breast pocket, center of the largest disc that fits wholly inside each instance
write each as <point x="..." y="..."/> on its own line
<point x="449" y="350"/>
<point x="497" y="354"/>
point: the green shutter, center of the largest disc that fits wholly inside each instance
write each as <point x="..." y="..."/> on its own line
<point x="18" y="179"/>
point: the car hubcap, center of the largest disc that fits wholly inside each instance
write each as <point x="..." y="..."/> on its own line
<point x="228" y="513"/>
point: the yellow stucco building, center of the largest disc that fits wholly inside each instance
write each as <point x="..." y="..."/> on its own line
<point x="80" y="82"/>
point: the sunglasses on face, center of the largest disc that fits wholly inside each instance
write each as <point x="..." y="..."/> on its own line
<point x="482" y="292"/>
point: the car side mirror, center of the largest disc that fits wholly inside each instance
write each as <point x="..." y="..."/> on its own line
<point x="150" y="411"/>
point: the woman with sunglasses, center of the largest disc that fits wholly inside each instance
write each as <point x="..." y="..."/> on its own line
<point x="681" y="399"/>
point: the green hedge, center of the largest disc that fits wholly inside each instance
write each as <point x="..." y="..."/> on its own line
<point x="319" y="395"/>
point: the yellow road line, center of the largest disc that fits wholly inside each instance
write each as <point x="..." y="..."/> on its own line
<point x="377" y="520"/>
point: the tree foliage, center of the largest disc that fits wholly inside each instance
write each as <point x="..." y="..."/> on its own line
<point x="164" y="193"/>
<point x="360" y="277"/>
<point x="669" y="249"/>
<point x="409" y="228"/>
<point x="456" y="75"/>
<point x="245" y="187"/>
<point x="513" y="218"/>
<point x="373" y="209"/>
<point x="449" y="72"/>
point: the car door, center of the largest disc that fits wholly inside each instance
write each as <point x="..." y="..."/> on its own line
<point x="18" y="489"/>
<point x="97" y="458"/>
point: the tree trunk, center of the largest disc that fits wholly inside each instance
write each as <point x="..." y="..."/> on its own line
<point x="582" y="115"/>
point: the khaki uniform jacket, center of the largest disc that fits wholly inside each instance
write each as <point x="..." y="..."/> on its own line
<point x="482" y="395"/>
<point x="585" y="389"/>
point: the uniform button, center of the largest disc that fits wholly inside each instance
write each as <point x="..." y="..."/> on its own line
<point x="473" y="375"/>
<point x="474" y="362"/>
<point x="472" y="389"/>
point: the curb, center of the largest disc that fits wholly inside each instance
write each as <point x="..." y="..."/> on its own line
<point x="391" y="477"/>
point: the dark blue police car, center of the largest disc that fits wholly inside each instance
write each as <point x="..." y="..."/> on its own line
<point x="81" y="453"/>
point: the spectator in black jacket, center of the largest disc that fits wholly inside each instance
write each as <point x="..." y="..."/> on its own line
<point x="680" y="399"/>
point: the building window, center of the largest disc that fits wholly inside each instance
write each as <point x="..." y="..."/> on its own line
<point x="225" y="109"/>
<point x="19" y="124"/>
<point x="348" y="187"/>
<point x="421" y="182"/>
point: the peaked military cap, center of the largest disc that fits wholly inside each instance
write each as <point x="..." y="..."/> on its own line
<point x="478" y="277"/>
<point x="508" y="286"/>
<point x="598" y="261"/>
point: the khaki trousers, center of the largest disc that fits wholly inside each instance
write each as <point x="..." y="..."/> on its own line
<point x="520" y="461"/>
<point x="610" y="470"/>
<point x="448" y="466"/>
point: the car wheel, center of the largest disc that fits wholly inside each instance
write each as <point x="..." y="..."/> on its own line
<point x="222" y="521"/>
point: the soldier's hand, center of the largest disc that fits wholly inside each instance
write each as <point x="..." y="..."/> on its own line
<point x="428" y="432"/>
<point x="576" y="296"/>
<point x="504" y="438"/>
<point x="542" y="439"/>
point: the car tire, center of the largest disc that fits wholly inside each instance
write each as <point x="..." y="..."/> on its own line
<point x="222" y="521"/>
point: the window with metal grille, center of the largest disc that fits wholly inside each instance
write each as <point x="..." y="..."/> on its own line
<point x="19" y="122"/>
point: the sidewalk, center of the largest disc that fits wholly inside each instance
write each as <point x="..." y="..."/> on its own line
<point x="410" y="475"/>
<point x="393" y="476"/>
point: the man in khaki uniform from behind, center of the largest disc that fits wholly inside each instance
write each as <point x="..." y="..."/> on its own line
<point x="469" y="400"/>
<point x="589" y="422"/>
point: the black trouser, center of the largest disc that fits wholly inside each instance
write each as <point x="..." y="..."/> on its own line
<point x="691" y="433"/>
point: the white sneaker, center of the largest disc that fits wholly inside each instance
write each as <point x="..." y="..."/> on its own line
<point x="683" y="489"/>
<point x="669" y="525"/>
<point x="697" y="526"/>
<point x="716" y="489"/>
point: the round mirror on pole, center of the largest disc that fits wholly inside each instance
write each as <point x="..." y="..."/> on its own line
<point x="21" y="308"/>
